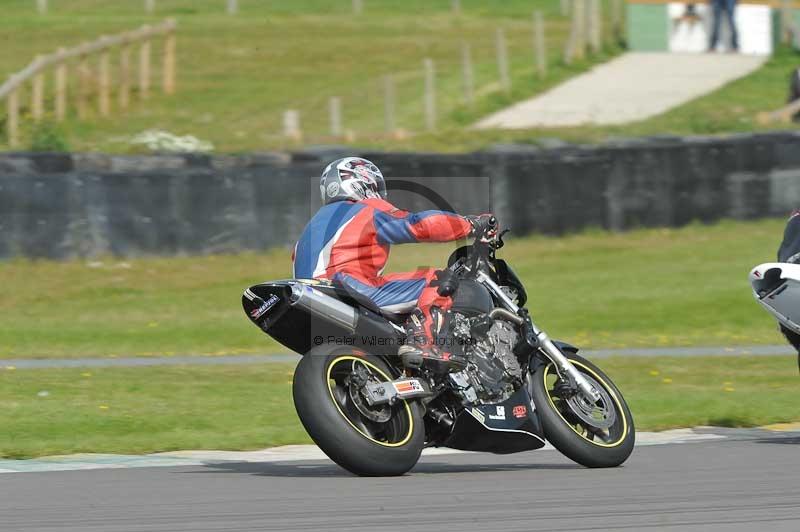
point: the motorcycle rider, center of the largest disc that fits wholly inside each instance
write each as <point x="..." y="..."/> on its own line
<point x="348" y="240"/>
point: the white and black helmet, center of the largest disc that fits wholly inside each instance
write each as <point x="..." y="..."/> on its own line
<point x="351" y="178"/>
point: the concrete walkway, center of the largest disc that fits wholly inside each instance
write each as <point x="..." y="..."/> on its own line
<point x="27" y="363"/>
<point x="629" y="88"/>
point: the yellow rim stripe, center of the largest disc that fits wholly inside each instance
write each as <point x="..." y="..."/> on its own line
<point x="608" y="389"/>
<point x="385" y="376"/>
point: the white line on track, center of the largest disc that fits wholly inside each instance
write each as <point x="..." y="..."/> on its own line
<point x="288" y="453"/>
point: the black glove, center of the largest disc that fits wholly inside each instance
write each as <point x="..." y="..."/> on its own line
<point x="446" y="281"/>
<point x="484" y="225"/>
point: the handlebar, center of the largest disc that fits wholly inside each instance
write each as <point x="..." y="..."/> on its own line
<point x="486" y="242"/>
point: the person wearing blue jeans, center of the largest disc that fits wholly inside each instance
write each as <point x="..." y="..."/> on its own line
<point x="726" y="8"/>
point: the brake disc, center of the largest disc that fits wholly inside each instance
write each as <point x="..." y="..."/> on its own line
<point x="380" y="414"/>
<point x="601" y="414"/>
<point x="358" y="379"/>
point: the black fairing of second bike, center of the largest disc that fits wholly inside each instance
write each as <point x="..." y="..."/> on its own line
<point x="500" y="428"/>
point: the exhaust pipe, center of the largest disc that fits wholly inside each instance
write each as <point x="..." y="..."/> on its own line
<point x="506" y="315"/>
<point x="323" y="306"/>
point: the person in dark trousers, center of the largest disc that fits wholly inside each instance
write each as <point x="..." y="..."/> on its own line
<point x="725" y="8"/>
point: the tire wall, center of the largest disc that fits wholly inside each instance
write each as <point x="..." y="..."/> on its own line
<point x="82" y="205"/>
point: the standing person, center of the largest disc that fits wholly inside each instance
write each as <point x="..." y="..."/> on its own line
<point x="728" y="9"/>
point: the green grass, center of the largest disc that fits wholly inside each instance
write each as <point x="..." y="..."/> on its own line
<point x="672" y="392"/>
<point x="656" y="287"/>
<point x="238" y="74"/>
<point x="138" y="410"/>
<point x="146" y="409"/>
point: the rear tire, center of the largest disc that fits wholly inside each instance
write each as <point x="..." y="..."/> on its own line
<point x="565" y="431"/>
<point x="333" y="420"/>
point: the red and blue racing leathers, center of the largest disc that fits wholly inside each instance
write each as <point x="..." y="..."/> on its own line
<point x="349" y="242"/>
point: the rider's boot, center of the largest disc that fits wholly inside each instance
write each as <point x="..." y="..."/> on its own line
<point x="420" y="349"/>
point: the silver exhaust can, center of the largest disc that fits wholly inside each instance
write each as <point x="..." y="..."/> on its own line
<point x="324" y="306"/>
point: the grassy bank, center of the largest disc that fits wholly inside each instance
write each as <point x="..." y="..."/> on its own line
<point x="137" y="410"/>
<point x="658" y="287"/>
<point x="238" y="74"/>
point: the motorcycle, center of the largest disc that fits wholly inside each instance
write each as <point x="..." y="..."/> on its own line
<point x="776" y="287"/>
<point x="373" y="417"/>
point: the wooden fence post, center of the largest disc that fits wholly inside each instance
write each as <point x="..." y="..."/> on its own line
<point x="37" y="94"/>
<point x="539" y="44"/>
<point x="291" y="125"/>
<point x="430" y="94"/>
<point x="61" y="86"/>
<point x="104" y="83"/>
<point x="41" y="6"/>
<point x="168" y="78"/>
<point x="12" y="123"/>
<point x="595" y="32"/>
<point x="149" y="6"/>
<point x="389" y="121"/>
<point x="233" y="7"/>
<point x="468" y="74"/>
<point x="786" y="21"/>
<point x="358" y="7"/>
<point x="83" y="86"/>
<point x="125" y="75"/>
<point x="502" y="59"/>
<point x="335" y="110"/>
<point x="616" y="19"/>
<point x="579" y="18"/>
<point x="571" y="44"/>
<point x="144" y="67"/>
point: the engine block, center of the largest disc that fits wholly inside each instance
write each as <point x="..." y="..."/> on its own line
<point x="493" y="371"/>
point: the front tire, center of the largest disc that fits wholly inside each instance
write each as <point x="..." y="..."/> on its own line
<point x="589" y="444"/>
<point x="367" y="441"/>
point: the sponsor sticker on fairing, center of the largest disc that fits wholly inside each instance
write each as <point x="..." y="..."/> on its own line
<point x="408" y="386"/>
<point x="265" y="306"/>
<point x="478" y="415"/>
<point x="520" y="411"/>
<point x="500" y="413"/>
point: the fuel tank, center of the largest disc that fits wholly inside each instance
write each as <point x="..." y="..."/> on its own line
<point x="472" y="298"/>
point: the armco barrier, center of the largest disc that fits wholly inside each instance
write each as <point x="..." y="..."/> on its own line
<point x="68" y="205"/>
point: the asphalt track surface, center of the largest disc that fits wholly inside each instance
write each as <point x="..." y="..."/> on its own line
<point x="732" y="484"/>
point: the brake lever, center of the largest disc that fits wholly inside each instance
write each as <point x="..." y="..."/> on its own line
<point x="498" y="243"/>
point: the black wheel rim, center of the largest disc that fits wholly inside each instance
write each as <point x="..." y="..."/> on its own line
<point x="394" y="432"/>
<point x="605" y="425"/>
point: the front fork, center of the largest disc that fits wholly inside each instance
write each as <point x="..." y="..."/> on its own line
<point x="546" y="345"/>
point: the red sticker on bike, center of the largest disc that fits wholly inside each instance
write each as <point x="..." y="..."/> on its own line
<point x="520" y="411"/>
<point x="408" y="386"/>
